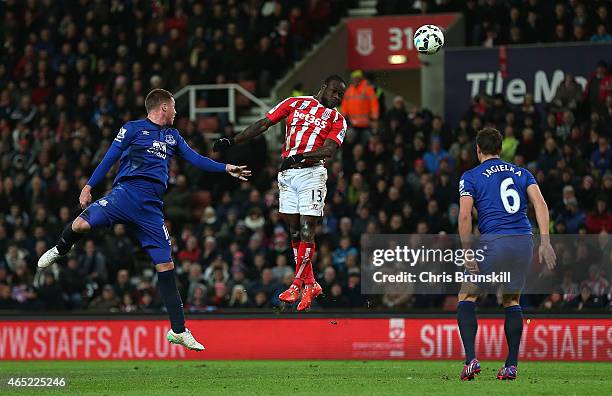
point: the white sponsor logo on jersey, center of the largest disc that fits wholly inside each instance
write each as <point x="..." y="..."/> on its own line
<point x="146" y="133"/>
<point x="309" y="118"/>
<point x="120" y="135"/>
<point x="158" y="149"/>
<point x="462" y="191"/>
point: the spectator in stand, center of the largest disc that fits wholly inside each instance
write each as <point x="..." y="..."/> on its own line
<point x="192" y="251"/>
<point x="119" y="250"/>
<point x="261" y="299"/>
<point x="569" y="214"/>
<point x="72" y="283"/>
<point x="93" y="263"/>
<point x="239" y="298"/>
<point x="598" y="87"/>
<point x="509" y="145"/>
<point x="549" y="156"/>
<point x="147" y="303"/>
<point x="177" y="201"/>
<point x="51" y="293"/>
<point x="585" y="300"/>
<point x="568" y="95"/>
<point x="281" y="269"/>
<point x="601" y="34"/>
<point x="601" y="219"/>
<point x="436" y="155"/>
<point x="123" y="285"/>
<point x="496" y="114"/>
<point x="336" y="298"/>
<point x="127" y="303"/>
<point x="397" y="117"/>
<point x="597" y="283"/>
<point x="360" y="107"/>
<point x="268" y="285"/>
<point x="197" y="300"/>
<point x="601" y="158"/>
<point x="107" y="301"/>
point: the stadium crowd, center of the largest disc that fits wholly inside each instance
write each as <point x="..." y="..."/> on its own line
<point x="496" y="22"/>
<point x="68" y="82"/>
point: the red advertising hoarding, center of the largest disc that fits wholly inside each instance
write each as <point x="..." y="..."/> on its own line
<point x="386" y="43"/>
<point x="378" y="338"/>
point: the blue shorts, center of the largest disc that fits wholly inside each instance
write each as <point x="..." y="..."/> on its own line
<point x="510" y="254"/>
<point x="136" y="203"/>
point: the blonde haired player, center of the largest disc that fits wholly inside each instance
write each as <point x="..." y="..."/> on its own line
<point x="315" y="130"/>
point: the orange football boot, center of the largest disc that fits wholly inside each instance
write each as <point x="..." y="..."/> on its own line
<point x="290" y="295"/>
<point x="310" y="293"/>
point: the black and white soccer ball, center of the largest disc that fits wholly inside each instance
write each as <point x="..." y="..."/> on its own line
<point x="428" y="39"/>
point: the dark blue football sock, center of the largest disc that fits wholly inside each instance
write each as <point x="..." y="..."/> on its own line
<point x="172" y="300"/>
<point x="513" y="327"/>
<point x="468" y="327"/>
<point x="67" y="239"/>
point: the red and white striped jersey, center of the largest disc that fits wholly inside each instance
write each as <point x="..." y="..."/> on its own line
<point x="309" y="123"/>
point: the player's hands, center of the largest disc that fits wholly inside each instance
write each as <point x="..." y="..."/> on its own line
<point x="290" y="161"/>
<point x="85" y="197"/>
<point x="223" y="144"/>
<point x="239" y="172"/>
<point x="546" y="253"/>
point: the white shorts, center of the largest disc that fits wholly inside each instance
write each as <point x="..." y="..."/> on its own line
<point x="303" y="190"/>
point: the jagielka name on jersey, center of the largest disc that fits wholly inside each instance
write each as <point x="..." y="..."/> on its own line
<point x="501" y="168"/>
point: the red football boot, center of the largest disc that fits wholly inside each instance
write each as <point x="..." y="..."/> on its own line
<point x="290" y="295"/>
<point x="310" y="293"/>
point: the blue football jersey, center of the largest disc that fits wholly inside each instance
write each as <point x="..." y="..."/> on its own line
<point x="146" y="150"/>
<point x="499" y="190"/>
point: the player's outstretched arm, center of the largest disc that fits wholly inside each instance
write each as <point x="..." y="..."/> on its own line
<point x="546" y="252"/>
<point x="208" y="165"/>
<point x="252" y="131"/>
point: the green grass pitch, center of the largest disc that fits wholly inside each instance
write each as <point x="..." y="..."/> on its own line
<point x="314" y="377"/>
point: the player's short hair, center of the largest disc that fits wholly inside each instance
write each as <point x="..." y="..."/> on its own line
<point x="155" y="98"/>
<point x="490" y="141"/>
<point x="334" y="77"/>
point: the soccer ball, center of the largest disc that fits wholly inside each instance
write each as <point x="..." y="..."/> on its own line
<point x="428" y="39"/>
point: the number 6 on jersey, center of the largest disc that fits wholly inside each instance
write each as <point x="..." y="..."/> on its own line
<point x="505" y="192"/>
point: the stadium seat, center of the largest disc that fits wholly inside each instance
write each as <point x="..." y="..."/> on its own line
<point x="200" y="200"/>
<point x="241" y="100"/>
